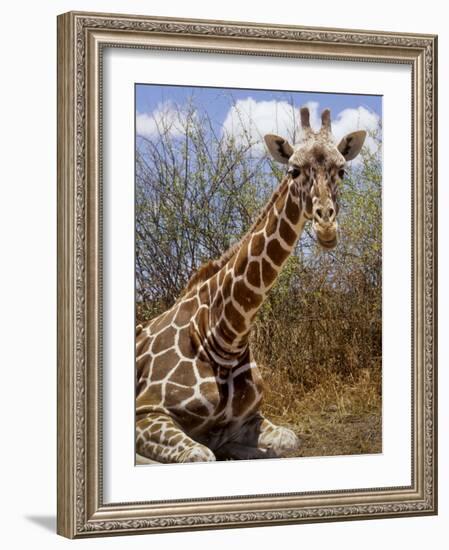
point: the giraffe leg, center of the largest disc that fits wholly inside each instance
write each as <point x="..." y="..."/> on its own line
<point x="159" y="437"/>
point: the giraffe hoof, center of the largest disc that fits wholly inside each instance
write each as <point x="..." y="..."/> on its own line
<point x="289" y="440"/>
<point x="283" y="440"/>
<point x="200" y="453"/>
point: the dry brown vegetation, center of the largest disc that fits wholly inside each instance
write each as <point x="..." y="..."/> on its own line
<point x="339" y="416"/>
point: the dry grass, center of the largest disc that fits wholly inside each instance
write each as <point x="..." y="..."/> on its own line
<point x="339" y="416"/>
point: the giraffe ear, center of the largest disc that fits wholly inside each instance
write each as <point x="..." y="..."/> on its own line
<point x="280" y="149"/>
<point x="351" y="144"/>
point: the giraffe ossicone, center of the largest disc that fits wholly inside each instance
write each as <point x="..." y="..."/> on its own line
<point x="198" y="389"/>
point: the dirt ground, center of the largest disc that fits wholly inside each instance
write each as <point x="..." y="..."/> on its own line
<point x="338" y="417"/>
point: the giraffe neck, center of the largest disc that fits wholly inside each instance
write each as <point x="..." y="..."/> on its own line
<point x="211" y="267"/>
<point x="239" y="289"/>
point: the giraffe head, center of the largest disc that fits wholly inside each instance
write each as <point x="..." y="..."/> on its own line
<point x="316" y="165"/>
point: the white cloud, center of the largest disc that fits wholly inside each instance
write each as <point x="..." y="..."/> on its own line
<point x="167" y="118"/>
<point x="350" y="120"/>
<point x="249" y="120"/>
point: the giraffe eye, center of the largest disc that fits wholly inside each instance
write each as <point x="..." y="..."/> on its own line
<point x="293" y="171"/>
<point x="341" y="174"/>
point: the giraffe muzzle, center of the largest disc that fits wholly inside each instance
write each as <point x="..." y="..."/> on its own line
<point x="327" y="234"/>
<point x="325" y="223"/>
<point x="328" y="244"/>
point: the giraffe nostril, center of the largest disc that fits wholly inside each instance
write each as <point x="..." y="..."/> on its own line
<point x="331" y="212"/>
<point x="319" y="213"/>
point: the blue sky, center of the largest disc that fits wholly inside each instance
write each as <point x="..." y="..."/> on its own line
<point x="148" y="96"/>
<point x="243" y="112"/>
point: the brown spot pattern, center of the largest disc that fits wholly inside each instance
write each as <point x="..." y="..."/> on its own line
<point x="287" y="233"/>
<point x="272" y="224"/>
<point x="202" y="319"/>
<point x="151" y="396"/>
<point x="159" y="368"/>
<point x="257" y="245"/>
<point x="203" y="294"/>
<point x="276" y="252"/>
<point x="268" y="272"/>
<point x="204" y="369"/>
<point x="241" y="261"/>
<point x="213" y="288"/>
<point x="185" y="312"/>
<point x="245" y="296"/>
<point x="143" y="365"/>
<point x="163" y="321"/>
<point x="164" y="340"/>
<point x="184" y="374"/>
<point x="175" y="394"/>
<point x="185" y="344"/>
<point x="253" y="274"/>
<point x="142" y="344"/>
<point x="292" y="211"/>
<point x="236" y="320"/>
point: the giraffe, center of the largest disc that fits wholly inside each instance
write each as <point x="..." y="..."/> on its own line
<point x="198" y="389"/>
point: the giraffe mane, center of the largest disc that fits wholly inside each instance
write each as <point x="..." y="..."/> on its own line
<point x="209" y="268"/>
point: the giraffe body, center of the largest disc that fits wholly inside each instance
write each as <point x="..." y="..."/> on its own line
<point x="202" y="400"/>
<point x="198" y="390"/>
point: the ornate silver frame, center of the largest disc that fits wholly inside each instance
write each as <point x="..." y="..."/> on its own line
<point x="81" y="38"/>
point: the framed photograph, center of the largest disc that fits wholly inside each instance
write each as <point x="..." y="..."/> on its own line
<point x="246" y="274"/>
